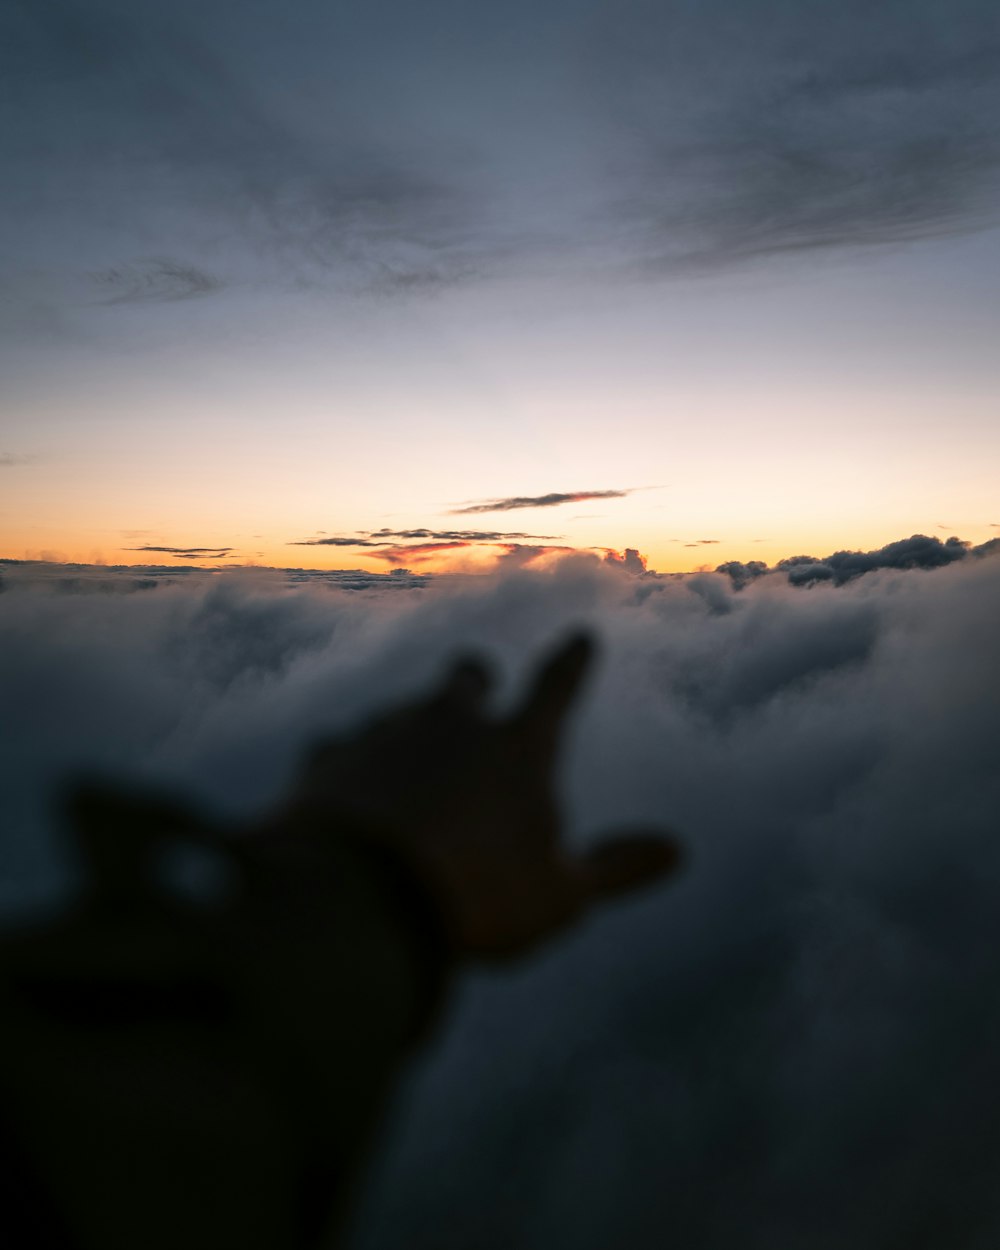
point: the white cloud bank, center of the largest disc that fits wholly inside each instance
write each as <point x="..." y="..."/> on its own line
<point x="797" y="1045"/>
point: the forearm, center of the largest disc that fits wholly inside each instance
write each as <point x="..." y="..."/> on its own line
<point x="182" y="1075"/>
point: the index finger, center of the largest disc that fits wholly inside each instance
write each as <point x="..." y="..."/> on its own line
<point x="552" y="693"/>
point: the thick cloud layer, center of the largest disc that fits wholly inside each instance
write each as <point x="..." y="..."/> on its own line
<point x="794" y="1046"/>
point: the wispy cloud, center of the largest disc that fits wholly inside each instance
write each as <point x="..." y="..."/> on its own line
<point x="824" y="132"/>
<point x="691" y="136"/>
<point x="335" y="542"/>
<point x="440" y="542"/>
<point x="152" y="282"/>
<point x="164" y="122"/>
<point x="471" y="536"/>
<point x="187" y="553"/>
<point x="388" y="538"/>
<point x="552" y="500"/>
<point x="507" y="548"/>
<point x="510" y="553"/>
<point x="417" y="552"/>
<point x="13" y="460"/>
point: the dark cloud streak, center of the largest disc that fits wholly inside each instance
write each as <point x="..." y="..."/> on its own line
<point x="153" y="281"/>
<point x="552" y="500"/>
<point x="471" y="536"/>
<point x="189" y="553"/>
<point x="335" y="542"/>
<point x="387" y="537"/>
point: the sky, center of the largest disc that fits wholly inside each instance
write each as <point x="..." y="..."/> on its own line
<point x="384" y="285"/>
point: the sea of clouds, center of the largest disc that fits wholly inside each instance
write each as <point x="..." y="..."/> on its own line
<point x="795" y="1044"/>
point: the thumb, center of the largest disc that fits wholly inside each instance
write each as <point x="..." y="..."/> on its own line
<point x="627" y="862"/>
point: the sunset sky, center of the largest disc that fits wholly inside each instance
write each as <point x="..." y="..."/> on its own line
<point x="723" y="273"/>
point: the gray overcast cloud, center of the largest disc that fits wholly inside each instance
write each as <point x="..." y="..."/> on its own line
<point x="166" y="152"/>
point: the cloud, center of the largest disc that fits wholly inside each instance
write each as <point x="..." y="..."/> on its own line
<point x="356" y="155"/>
<point x="335" y="542"/>
<point x="153" y="281"/>
<point x="630" y="561"/>
<point x="988" y="548"/>
<point x="12" y="460"/>
<point x="189" y="553"/>
<point x="518" y="555"/>
<point x="471" y="536"/>
<point x="551" y="500"/>
<point x="917" y="552"/>
<point x="846" y="128"/>
<point x="741" y="573"/>
<point x="384" y="537"/>
<point x="417" y="552"/>
<point x="511" y="553"/>
<point x="419" y="546"/>
<point x="796" y="1041"/>
<point x="168" y="130"/>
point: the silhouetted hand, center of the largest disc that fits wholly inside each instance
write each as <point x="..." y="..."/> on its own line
<point x="468" y="801"/>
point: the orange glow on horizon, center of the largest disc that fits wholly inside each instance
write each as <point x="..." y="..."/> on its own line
<point x="454" y="557"/>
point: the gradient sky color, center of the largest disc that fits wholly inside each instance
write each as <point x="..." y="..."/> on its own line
<point x="273" y="275"/>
